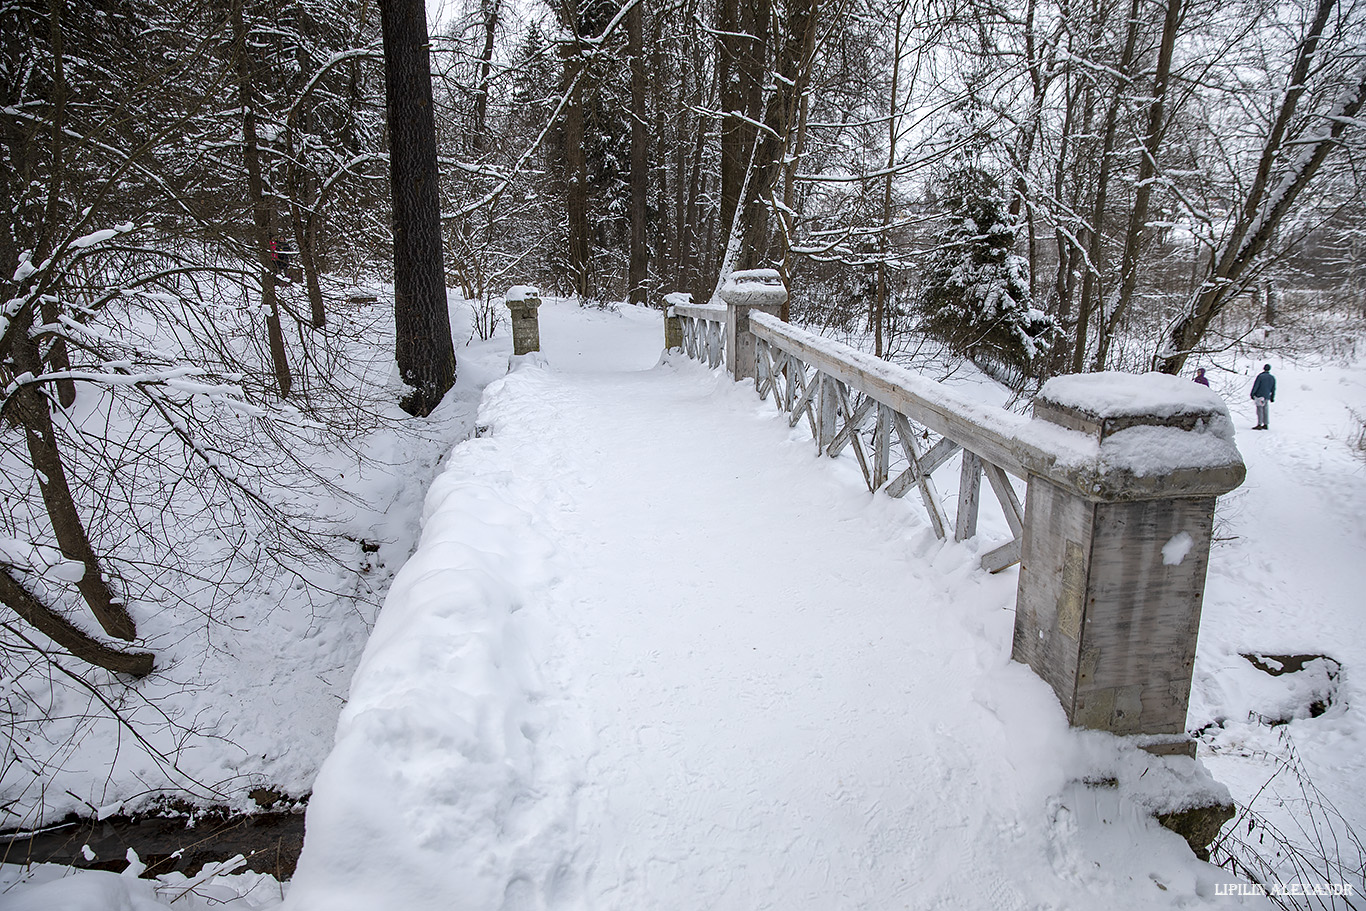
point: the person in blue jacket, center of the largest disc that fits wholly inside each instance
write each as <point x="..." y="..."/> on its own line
<point x="1263" y="393"/>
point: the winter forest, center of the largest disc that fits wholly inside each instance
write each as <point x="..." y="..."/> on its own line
<point x="197" y="347"/>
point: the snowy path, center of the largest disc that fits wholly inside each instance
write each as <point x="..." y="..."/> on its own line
<point x="653" y="653"/>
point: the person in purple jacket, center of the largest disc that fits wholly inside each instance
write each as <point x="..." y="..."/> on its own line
<point x="1263" y="393"/>
<point x="1201" y="378"/>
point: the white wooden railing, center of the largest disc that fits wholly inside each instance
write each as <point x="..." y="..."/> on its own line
<point x="704" y="331"/>
<point x="843" y="393"/>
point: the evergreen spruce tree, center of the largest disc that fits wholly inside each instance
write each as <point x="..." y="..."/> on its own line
<point x="975" y="293"/>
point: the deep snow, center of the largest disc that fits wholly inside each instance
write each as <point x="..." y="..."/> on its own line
<point x="654" y="653"/>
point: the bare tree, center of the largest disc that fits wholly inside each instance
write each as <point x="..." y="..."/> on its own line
<point x="1295" y="149"/>
<point x="640" y="150"/>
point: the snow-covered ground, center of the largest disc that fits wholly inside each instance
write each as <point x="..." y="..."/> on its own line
<point x="652" y="652"/>
<point x="250" y="699"/>
<point x="1288" y="577"/>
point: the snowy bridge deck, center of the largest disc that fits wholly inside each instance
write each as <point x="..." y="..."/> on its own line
<point x="652" y="653"/>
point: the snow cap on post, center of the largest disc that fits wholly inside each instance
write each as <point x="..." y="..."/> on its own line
<point x="754" y="288"/>
<point x="1150" y="427"/>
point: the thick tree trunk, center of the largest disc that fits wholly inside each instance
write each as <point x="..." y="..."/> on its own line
<point x="880" y="303"/>
<point x="66" y="634"/>
<point x="794" y="146"/>
<point x="1064" y="279"/>
<point x="481" y="89"/>
<point x="576" y="176"/>
<point x="694" y="241"/>
<point x="742" y="54"/>
<point x="1090" y="285"/>
<point x="57" y="356"/>
<point x="695" y="236"/>
<point x="423" y="346"/>
<point x="637" y="272"/>
<point x="305" y="236"/>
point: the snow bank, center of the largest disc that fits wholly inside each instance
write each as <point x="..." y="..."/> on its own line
<point x="91" y="891"/>
<point x="435" y="772"/>
<point x="50" y="887"/>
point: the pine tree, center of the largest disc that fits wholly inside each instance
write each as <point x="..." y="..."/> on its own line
<point x="975" y="294"/>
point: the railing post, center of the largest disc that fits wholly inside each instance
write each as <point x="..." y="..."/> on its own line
<point x="673" y="324"/>
<point x="744" y="292"/>
<point x="969" y="489"/>
<point x="523" y="301"/>
<point x="1113" y="568"/>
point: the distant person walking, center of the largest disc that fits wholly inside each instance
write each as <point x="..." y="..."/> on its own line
<point x="1200" y="377"/>
<point x="1263" y="393"/>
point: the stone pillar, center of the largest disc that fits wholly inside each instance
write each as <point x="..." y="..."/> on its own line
<point x="523" y="301"/>
<point x="673" y="326"/>
<point x="1114" y="555"/>
<point x="743" y="292"/>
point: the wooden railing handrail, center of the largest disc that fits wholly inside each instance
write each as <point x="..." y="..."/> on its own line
<point x="703" y="331"/>
<point x="1098" y="470"/>
<point x="712" y="312"/>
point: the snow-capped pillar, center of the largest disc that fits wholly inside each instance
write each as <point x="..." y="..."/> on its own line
<point x="673" y="323"/>
<point x="523" y="301"/>
<point x="745" y="292"/>
<point x="1114" y="554"/>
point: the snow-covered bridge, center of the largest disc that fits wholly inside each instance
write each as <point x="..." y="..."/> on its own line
<point x="653" y="654"/>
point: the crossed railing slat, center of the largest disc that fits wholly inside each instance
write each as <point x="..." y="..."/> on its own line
<point x="838" y="413"/>
<point x="704" y="332"/>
